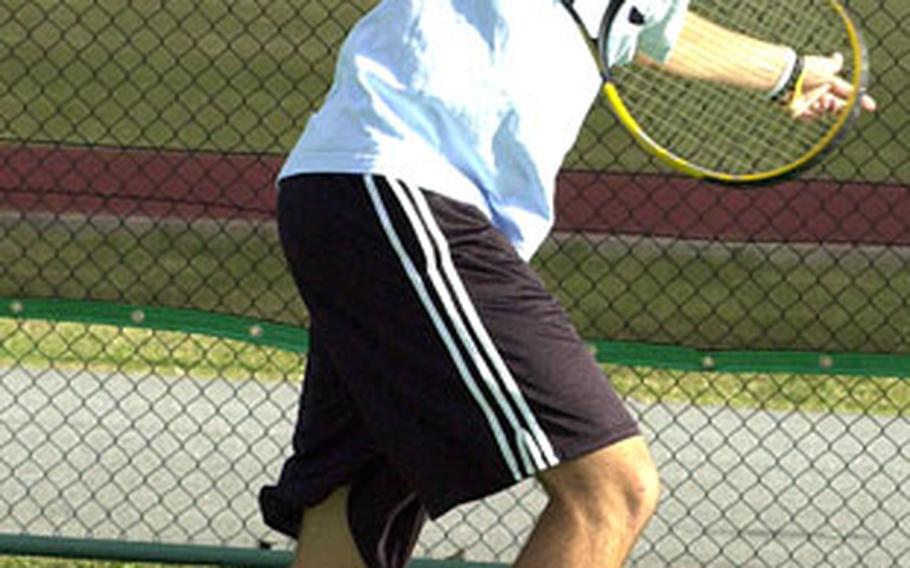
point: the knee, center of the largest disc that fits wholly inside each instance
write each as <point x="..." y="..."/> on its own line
<point x="617" y="487"/>
<point x="642" y="487"/>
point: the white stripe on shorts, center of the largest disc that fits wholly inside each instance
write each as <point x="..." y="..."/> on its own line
<point x="531" y="436"/>
<point x="439" y="324"/>
<point x="535" y="450"/>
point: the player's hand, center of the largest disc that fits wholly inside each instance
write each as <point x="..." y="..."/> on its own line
<point x="823" y="90"/>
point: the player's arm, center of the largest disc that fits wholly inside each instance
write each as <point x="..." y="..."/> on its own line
<point x="707" y="51"/>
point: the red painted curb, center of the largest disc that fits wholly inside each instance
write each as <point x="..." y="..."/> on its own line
<point x="160" y="183"/>
<point x="137" y="182"/>
<point x="792" y="211"/>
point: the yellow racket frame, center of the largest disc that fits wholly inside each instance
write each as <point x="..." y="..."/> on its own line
<point x="857" y="79"/>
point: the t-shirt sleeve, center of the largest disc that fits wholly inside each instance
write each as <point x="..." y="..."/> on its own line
<point x="659" y="35"/>
<point x="649" y="26"/>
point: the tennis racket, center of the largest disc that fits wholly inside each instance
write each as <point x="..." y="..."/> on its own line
<point x="732" y="134"/>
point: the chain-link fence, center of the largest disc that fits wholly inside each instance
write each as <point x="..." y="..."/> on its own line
<point x="151" y="342"/>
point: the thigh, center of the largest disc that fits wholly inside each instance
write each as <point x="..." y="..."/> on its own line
<point x="325" y="537"/>
<point x="375" y="522"/>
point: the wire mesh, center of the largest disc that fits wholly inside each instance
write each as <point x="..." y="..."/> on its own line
<point x="138" y="148"/>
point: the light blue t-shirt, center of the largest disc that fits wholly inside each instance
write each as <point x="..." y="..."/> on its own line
<point x="477" y="100"/>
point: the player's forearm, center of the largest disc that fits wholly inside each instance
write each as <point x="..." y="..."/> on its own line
<point x="708" y="51"/>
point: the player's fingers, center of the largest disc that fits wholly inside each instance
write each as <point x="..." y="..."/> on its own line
<point x="810" y="114"/>
<point x="830" y="104"/>
<point x="867" y="103"/>
<point x="841" y="87"/>
<point x="844" y="90"/>
<point x="804" y="104"/>
<point x="816" y="104"/>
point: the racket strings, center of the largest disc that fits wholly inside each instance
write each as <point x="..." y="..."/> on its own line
<point x="723" y="128"/>
<point x="714" y="113"/>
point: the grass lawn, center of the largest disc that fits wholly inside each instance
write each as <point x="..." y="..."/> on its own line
<point x="700" y="295"/>
<point x="105" y="348"/>
<point x="732" y="296"/>
<point x="231" y="267"/>
<point x="235" y="76"/>
<point x="782" y="392"/>
<point x="39" y="562"/>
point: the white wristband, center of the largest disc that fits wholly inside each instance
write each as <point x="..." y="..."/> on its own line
<point x="784" y="77"/>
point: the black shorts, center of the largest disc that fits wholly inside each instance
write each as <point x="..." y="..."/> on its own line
<point x="440" y="369"/>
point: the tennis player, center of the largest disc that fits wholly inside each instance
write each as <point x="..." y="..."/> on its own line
<point x="440" y="369"/>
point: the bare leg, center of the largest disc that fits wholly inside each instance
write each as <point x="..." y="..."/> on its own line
<point x="599" y="504"/>
<point x="325" y="539"/>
